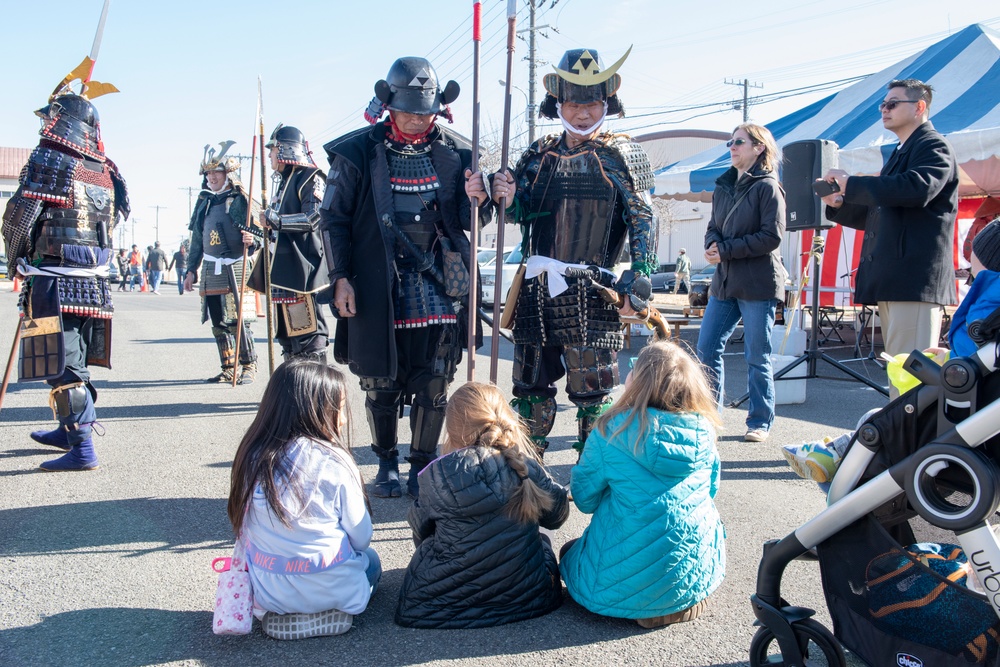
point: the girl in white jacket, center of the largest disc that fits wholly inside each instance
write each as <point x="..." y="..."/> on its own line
<point x="297" y="501"/>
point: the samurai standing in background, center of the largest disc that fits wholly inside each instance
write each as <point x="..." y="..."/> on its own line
<point x="298" y="266"/>
<point x="59" y="226"/>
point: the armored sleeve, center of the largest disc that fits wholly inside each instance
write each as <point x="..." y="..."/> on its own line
<point x="638" y="216"/>
<point x="19" y="222"/>
<point x="310" y="196"/>
<point x="336" y="211"/>
<point x="197" y="251"/>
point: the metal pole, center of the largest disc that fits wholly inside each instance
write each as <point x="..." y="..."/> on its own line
<point x="501" y="218"/>
<point x="531" y="72"/>
<point x="470" y="345"/>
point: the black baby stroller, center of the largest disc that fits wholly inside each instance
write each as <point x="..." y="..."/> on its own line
<point x="932" y="452"/>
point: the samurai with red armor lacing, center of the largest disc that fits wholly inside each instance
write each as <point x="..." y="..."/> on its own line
<point x="59" y="227"/>
<point x="394" y="207"/>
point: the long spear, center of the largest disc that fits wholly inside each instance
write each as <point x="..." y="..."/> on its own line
<point x="502" y="215"/>
<point x="477" y="38"/>
<point x="267" y="235"/>
<point x="243" y="274"/>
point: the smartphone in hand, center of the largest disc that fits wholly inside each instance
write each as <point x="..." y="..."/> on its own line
<point x="825" y="188"/>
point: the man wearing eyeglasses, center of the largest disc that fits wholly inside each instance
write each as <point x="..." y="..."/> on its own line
<point x="907" y="214"/>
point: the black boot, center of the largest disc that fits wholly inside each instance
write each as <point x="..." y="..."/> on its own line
<point x="426" y="422"/>
<point x="418" y="461"/>
<point x="382" y="406"/>
<point x="386" y="484"/>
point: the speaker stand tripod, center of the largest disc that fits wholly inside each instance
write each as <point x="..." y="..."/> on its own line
<point x="813" y="355"/>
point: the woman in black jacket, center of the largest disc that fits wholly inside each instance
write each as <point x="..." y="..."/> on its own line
<point x="743" y="239"/>
<point x="480" y="559"/>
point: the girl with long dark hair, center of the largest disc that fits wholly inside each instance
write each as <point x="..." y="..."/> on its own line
<point x="297" y="502"/>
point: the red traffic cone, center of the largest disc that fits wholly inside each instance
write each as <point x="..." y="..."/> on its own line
<point x="17" y="282"/>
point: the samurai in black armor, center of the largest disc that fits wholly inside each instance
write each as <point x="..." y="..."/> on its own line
<point x="581" y="197"/>
<point x="394" y="208"/>
<point x="299" y="275"/>
<point x="219" y="232"/>
<point x="59" y="228"/>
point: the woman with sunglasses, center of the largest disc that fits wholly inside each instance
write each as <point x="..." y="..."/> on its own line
<point x="743" y="240"/>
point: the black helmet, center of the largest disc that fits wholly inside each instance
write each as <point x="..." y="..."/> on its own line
<point x="581" y="78"/>
<point x="411" y="86"/>
<point x="72" y="121"/>
<point x="292" y="146"/>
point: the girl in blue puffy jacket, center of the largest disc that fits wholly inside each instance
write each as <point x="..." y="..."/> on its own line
<point x="655" y="549"/>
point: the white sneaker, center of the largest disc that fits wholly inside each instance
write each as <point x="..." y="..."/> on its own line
<point x="755" y="435"/>
<point x="303" y="626"/>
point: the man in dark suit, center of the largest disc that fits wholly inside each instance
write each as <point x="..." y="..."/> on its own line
<point x="907" y="214"/>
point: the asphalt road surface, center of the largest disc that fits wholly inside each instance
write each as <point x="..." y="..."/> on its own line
<point x="113" y="567"/>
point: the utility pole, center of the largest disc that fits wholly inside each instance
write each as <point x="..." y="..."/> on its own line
<point x="157" y="207"/>
<point x="134" y="220"/>
<point x="533" y="62"/>
<point x="746" y="96"/>
<point x="190" y="191"/>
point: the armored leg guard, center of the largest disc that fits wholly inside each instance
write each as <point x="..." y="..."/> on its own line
<point x="382" y="404"/>
<point x="248" y="354"/>
<point x="587" y="412"/>
<point x="74" y="407"/>
<point x="539" y="414"/>
<point x="426" y="421"/>
<point x="248" y="357"/>
<point x="227" y="355"/>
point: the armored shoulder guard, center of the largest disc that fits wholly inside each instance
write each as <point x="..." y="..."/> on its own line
<point x="542" y="145"/>
<point x="18" y="223"/>
<point x="634" y="159"/>
<point x="48" y="177"/>
<point x="238" y="212"/>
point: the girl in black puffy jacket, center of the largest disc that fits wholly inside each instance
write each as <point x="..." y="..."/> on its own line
<point x="481" y="560"/>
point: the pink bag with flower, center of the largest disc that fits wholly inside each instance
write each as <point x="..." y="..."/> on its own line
<point x="233" y="594"/>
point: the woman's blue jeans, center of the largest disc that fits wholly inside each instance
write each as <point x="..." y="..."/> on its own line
<point x="721" y="318"/>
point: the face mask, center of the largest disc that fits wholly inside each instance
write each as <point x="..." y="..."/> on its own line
<point x="592" y="128"/>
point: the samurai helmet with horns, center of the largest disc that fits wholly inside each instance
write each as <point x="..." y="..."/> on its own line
<point x="292" y="146"/>
<point x="582" y="78"/>
<point x="70" y="119"/>
<point x="411" y="86"/>
<point x="217" y="161"/>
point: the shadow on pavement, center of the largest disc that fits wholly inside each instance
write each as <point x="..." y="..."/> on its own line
<point x="161" y="410"/>
<point x="172" y="524"/>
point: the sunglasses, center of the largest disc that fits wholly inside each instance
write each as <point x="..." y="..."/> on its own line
<point x="892" y="104"/>
<point x="735" y="142"/>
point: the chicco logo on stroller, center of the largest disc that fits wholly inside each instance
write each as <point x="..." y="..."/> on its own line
<point x="907" y="660"/>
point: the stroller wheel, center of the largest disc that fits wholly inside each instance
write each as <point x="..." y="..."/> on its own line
<point x="818" y="646"/>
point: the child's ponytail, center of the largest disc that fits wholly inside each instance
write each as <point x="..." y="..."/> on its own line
<point x="479" y="414"/>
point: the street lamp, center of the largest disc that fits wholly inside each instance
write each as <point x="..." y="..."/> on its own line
<point x="529" y="110"/>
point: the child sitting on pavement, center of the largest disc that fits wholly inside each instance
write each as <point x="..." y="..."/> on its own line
<point x="480" y="559"/>
<point x="297" y="502"/>
<point x="655" y="549"/>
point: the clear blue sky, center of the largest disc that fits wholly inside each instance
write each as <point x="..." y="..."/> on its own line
<point x="188" y="70"/>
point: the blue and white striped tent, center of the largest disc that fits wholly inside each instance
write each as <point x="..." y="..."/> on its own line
<point x="964" y="70"/>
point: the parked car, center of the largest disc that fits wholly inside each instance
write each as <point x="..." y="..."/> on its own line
<point x="703" y="276"/>
<point x="485" y="256"/>
<point x="511" y="260"/>
<point x="664" y="281"/>
<point x="113" y="272"/>
<point x="3" y="266"/>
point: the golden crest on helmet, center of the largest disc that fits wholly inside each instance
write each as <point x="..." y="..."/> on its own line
<point x="218" y="161"/>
